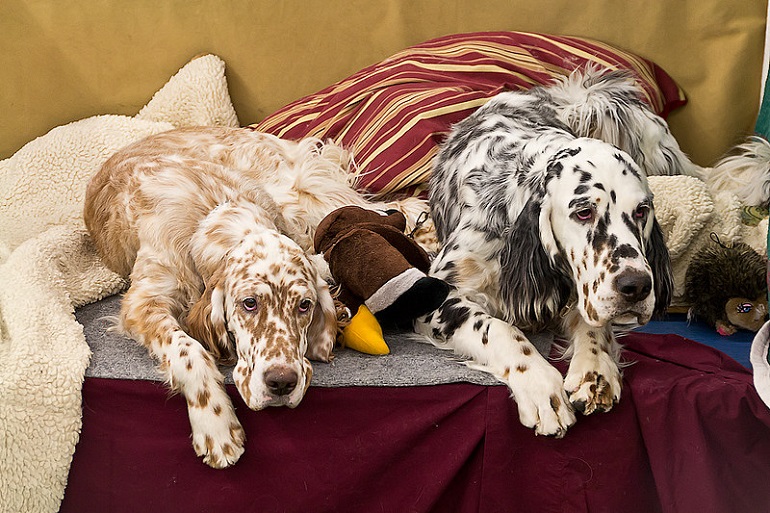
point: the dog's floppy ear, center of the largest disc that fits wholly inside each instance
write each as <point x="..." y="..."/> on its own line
<point x="206" y="322"/>
<point x="533" y="284"/>
<point x="656" y="252"/>
<point x="323" y="327"/>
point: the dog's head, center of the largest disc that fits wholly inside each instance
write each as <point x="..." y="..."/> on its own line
<point x="590" y="236"/>
<point x="269" y="307"/>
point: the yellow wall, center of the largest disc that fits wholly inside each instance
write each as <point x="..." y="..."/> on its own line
<point x="62" y="60"/>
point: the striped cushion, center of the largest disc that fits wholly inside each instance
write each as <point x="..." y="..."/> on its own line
<point x="393" y="114"/>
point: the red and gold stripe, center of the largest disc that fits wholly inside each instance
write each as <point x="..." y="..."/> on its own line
<point x="393" y="115"/>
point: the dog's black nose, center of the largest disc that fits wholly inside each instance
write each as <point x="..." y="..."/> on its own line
<point x="633" y="285"/>
<point x="280" y="380"/>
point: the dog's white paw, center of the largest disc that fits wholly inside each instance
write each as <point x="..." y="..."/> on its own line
<point x="543" y="403"/>
<point x="593" y="384"/>
<point x="217" y="435"/>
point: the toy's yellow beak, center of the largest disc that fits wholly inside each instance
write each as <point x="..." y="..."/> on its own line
<point x="364" y="333"/>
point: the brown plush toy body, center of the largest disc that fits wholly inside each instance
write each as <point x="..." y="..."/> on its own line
<point x="377" y="264"/>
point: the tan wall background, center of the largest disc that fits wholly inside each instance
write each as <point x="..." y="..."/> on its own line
<point x="63" y="60"/>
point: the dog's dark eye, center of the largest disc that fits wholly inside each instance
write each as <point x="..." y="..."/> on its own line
<point x="249" y="304"/>
<point x="641" y="211"/>
<point x="305" y="305"/>
<point x="584" y="215"/>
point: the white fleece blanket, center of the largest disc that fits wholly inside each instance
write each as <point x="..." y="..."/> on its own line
<point x="48" y="267"/>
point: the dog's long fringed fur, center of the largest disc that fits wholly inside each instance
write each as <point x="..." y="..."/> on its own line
<point x="745" y="172"/>
<point x="543" y="224"/>
<point x="607" y="105"/>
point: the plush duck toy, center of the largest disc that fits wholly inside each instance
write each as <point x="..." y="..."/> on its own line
<point x="727" y="288"/>
<point x="381" y="273"/>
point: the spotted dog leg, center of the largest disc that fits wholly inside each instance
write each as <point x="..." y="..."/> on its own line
<point x="504" y="351"/>
<point x="593" y="381"/>
<point x="147" y="315"/>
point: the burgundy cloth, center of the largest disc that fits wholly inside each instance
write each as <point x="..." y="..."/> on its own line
<point x="690" y="435"/>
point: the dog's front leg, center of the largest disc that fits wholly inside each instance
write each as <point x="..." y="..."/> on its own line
<point x="504" y="351"/>
<point x="593" y="381"/>
<point x="147" y="316"/>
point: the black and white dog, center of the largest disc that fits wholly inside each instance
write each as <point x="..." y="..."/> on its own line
<point x="541" y="203"/>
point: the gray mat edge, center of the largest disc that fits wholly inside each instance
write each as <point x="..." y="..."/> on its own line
<point x="413" y="360"/>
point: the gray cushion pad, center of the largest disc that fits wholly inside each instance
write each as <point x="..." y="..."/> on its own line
<point x="412" y="360"/>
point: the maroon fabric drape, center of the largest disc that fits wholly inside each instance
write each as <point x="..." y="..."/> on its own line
<point x="689" y="435"/>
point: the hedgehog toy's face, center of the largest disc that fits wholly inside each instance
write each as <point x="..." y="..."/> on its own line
<point x="746" y="313"/>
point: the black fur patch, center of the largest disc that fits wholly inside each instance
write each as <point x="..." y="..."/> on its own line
<point x="452" y="316"/>
<point x="583" y="200"/>
<point x="580" y="189"/>
<point x="624" y="251"/>
<point x="568" y="151"/>
<point x="631" y="225"/>
<point x="554" y="170"/>
<point x="627" y="166"/>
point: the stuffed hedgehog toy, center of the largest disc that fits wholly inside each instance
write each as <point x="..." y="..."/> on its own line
<point x="727" y="288"/>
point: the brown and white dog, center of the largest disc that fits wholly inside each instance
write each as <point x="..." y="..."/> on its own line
<point x="214" y="227"/>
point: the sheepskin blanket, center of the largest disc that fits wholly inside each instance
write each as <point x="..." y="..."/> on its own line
<point x="688" y="211"/>
<point x="48" y="267"/>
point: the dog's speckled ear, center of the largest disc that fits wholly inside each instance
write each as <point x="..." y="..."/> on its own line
<point x="207" y="323"/>
<point x="323" y="328"/>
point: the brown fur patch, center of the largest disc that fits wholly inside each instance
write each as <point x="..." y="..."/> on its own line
<point x="203" y="398"/>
